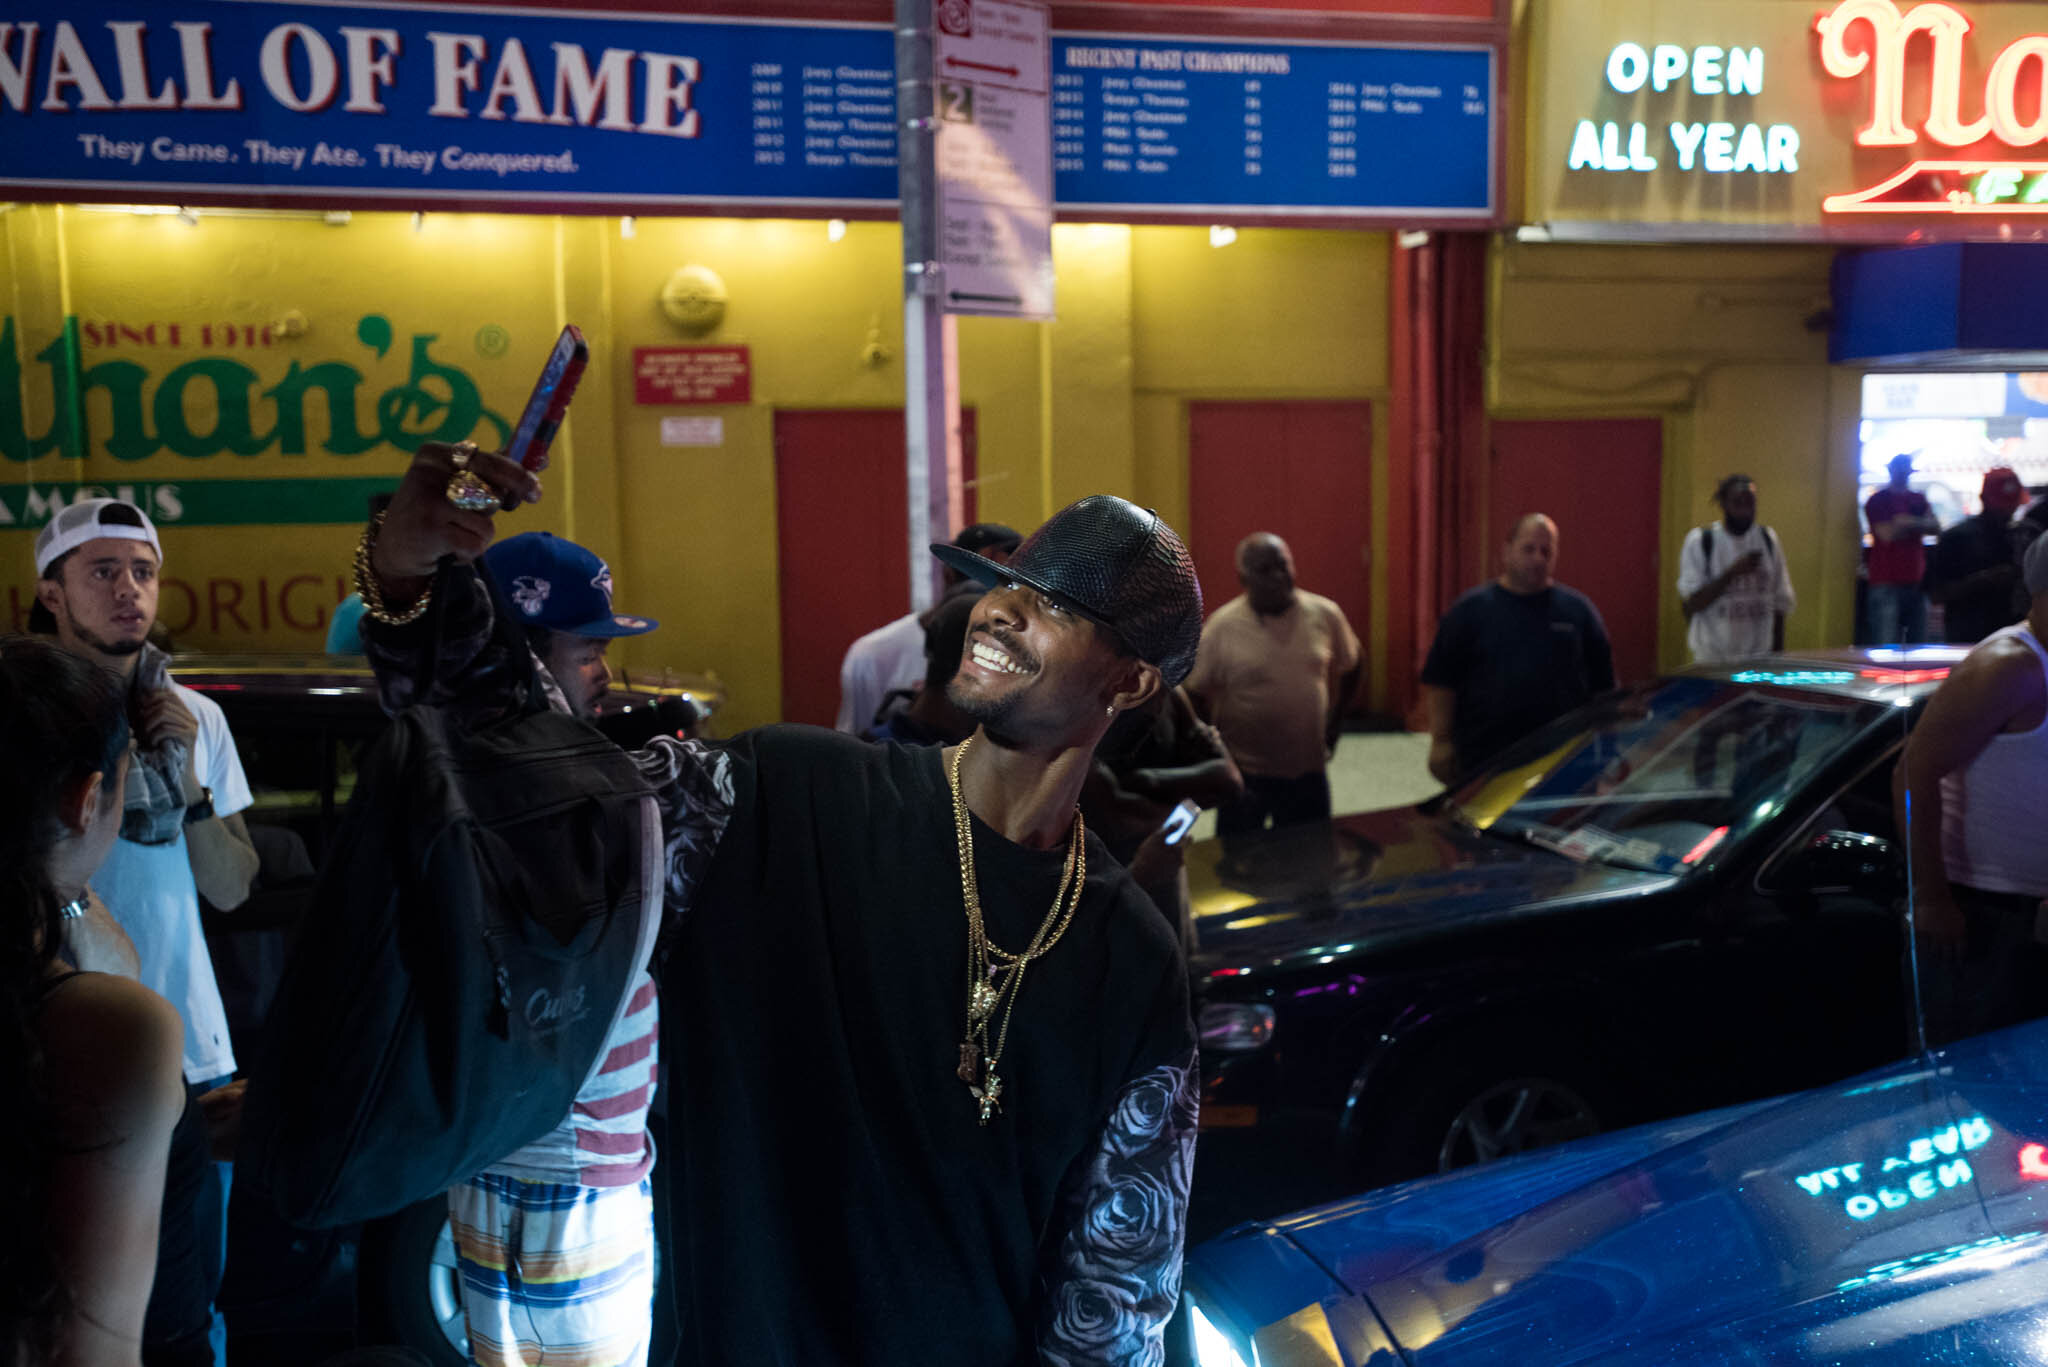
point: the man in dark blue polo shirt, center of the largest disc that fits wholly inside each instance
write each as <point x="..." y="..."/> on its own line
<point x="1511" y="655"/>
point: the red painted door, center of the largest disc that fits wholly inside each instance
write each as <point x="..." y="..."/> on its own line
<point x="842" y="523"/>
<point x="1601" y="480"/>
<point x="1301" y="470"/>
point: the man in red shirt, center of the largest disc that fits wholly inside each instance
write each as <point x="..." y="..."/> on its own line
<point x="1899" y="518"/>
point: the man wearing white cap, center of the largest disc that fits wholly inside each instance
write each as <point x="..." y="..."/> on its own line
<point x="97" y="564"/>
<point x="1973" y="782"/>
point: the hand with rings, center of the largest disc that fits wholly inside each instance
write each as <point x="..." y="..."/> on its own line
<point x="466" y="489"/>
<point x="444" y="509"/>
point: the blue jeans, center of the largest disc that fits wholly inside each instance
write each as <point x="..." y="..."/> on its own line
<point x="178" y="1326"/>
<point x="1898" y="614"/>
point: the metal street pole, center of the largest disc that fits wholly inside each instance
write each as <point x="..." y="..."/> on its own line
<point x="931" y="365"/>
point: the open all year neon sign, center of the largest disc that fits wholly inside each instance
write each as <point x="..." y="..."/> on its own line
<point x="1714" y="147"/>
<point x="1881" y="33"/>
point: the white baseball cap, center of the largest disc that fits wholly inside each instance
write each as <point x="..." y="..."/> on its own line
<point x="89" y="520"/>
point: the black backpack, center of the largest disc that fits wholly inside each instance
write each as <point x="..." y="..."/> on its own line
<point x="474" y="937"/>
<point x="1707" y="546"/>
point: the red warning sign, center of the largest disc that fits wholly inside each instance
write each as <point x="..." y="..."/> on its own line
<point x="672" y="375"/>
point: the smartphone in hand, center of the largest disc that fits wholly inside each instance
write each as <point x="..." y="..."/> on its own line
<point x="1180" y="821"/>
<point x="549" y="402"/>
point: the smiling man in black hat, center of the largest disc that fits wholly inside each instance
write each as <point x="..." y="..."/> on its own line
<point x="935" y="1078"/>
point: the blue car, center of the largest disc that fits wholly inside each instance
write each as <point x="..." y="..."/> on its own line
<point x="1898" y="1218"/>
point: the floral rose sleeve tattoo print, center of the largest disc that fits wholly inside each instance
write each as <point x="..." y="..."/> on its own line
<point x="1113" y="1274"/>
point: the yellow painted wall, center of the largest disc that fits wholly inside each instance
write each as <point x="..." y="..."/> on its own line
<point x="1713" y="341"/>
<point x="1150" y="318"/>
<point x="699" y="527"/>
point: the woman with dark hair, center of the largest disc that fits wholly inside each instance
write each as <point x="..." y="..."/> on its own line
<point x="89" y="1061"/>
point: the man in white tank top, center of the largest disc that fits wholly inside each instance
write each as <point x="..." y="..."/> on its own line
<point x="1974" y="782"/>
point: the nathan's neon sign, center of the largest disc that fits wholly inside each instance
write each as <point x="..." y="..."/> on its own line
<point x="1940" y="185"/>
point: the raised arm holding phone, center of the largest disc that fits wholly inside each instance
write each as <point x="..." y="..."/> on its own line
<point x="957" y="1032"/>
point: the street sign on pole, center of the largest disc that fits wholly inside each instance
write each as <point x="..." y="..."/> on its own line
<point x="931" y="371"/>
<point x="992" y="66"/>
<point x="994" y="42"/>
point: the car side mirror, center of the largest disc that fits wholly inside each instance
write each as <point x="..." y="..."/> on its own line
<point x="1845" y="861"/>
<point x="634" y="726"/>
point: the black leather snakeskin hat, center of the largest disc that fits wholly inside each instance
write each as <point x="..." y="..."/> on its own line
<point x="1116" y="564"/>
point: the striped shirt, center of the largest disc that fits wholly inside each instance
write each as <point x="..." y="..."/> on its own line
<point x="603" y="1141"/>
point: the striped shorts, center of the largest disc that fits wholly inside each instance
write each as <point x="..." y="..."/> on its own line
<point x="554" y="1276"/>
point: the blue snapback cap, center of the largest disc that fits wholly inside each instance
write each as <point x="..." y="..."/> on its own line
<point x="558" y="585"/>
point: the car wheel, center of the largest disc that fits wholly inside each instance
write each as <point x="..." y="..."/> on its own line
<point x="1472" y="1102"/>
<point x="406" y="1285"/>
<point x="1514" y="1116"/>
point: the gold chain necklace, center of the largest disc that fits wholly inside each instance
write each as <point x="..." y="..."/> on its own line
<point x="995" y="976"/>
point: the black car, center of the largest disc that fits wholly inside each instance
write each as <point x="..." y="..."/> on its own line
<point x="1682" y="895"/>
<point x="292" y="1296"/>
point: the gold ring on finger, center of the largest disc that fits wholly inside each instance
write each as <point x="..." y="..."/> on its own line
<point x="460" y="455"/>
<point x="470" y="493"/>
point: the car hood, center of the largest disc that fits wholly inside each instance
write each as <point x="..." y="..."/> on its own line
<point x="1342" y="885"/>
<point x="1901" y="1218"/>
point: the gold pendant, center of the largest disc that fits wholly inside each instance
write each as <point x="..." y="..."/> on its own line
<point x="990" y="1096"/>
<point x="970" y="1062"/>
<point x="981" y="1000"/>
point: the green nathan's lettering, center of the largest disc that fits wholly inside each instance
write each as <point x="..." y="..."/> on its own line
<point x="338" y="383"/>
<point x="231" y="382"/>
<point x="111" y="404"/>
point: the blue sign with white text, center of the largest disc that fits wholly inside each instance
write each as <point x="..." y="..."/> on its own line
<point x="331" y="102"/>
<point x="1315" y="128"/>
<point x="348" y="104"/>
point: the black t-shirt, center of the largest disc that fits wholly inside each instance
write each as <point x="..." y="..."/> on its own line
<point x="1971" y="546"/>
<point x="1516" y="661"/>
<point x="832" y="1196"/>
<point x="837" y="1200"/>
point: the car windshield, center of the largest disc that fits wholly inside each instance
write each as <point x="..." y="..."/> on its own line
<point x="1660" y="776"/>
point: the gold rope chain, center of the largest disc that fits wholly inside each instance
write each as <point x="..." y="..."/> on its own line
<point x="986" y="960"/>
<point x="963" y="828"/>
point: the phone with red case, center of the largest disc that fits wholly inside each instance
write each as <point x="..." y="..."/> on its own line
<point x="549" y="402"/>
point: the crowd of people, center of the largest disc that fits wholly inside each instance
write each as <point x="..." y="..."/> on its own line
<point x="1973" y="572"/>
<point x="1036" y="1179"/>
<point x="1029" y="749"/>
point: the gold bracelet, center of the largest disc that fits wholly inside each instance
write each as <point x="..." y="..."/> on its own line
<point x="374" y="606"/>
